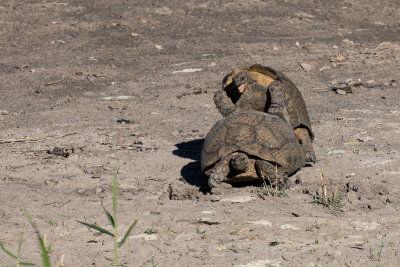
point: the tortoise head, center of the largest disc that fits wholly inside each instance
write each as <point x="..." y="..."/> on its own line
<point x="241" y="79"/>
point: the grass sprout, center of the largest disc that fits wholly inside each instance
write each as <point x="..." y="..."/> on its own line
<point x="18" y="262"/>
<point x="113" y="221"/>
<point x="334" y="200"/>
<point x="272" y="188"/>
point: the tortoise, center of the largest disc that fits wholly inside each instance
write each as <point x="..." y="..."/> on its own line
<point x="248" y="146"/>
<point x="265" y="89"/>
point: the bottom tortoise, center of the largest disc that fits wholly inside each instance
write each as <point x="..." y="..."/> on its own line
<point x="251" y="145"/>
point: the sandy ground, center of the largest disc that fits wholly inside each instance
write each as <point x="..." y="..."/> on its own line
<point x="108" y="82"/>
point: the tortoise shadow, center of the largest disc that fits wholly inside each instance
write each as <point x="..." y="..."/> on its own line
<point x="191" y="172"/>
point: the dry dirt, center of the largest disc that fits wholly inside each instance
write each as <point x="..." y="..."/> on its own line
<point x="106" y="82"/>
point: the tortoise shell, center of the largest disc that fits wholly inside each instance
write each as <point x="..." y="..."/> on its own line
<point x="258" y="134"/>
<point x="264" y="76"/>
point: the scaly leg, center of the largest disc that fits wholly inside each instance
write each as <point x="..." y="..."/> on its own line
<point x="271" y="173"/>
<point x="218" y="173"/>
<point x="278" y="101"/>
<point x="224" y="103"/>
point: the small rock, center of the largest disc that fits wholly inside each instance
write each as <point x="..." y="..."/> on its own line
<point x="365" y="226"/>
<point x="340" y="92"/>
<point x="365" y="139"/>
<point x="146" y="237"/>
<point x="261" y="222"/>
<point x="289" y="227"/>
<point x="175" y="133"/>
<point x="163" y="11"/>
<point x="347" y="42"/>
<point x="141" y="19"/>
<point x="134" y="34"/>
<point x="159" y="47"/>
<point x="307" y="67"/>
<point x="350" y="175"/>
<point x="80" y="190"/>
<point x="340" y="57"/>
<point x="3" y="112"/>
<point x="187" y="70"/>
<point x="220" y="247"/>
<point x="242" y="199"/>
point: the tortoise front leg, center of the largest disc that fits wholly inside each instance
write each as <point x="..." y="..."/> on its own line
<point x="224" y="103"/>
<point x="304" y="138"/>
<point x="278" y="101"/>
<point x="275" y="175"/>
<point x="218" y="173"/>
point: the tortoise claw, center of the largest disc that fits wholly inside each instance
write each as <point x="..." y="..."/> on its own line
<point x="310" y="157"/>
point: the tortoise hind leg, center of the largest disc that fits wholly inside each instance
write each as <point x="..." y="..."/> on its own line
<point x="305" y="140"/>
<point x="272" y="173"/>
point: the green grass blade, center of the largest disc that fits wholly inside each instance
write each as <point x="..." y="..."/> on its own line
<point x="115" y="194"/>
<point x="115" y="191"/>
<point x="98" y="228"/>
<point x="109" y="217"/>
<point x="26" y="264"/>
<point x="109" y="259"/>
<point x="45" y="254"/>
<point x="8" y="252"/>
<point x="127" y="233"/>
<point x="21" y="239"/>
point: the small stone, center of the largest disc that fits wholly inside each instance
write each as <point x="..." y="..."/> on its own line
<point x="146" y="237"/>
<point x="159" y="47"/>
<point x="141" y="19"/>
<point x="347" y="42"/>
<point x="3" y="112"/>
<point x="340" y="92"/>
<point x="163" y="11"/>
<point x="261" y="222"/>
<point x="340" y="57"/>
<point x="134" y="34"/>
<point x="306" y="66"/>
<point x="365" y="139"/>
<point x="289" y="227"/>
<point x="242" y="199"/>
<point x="80" y="190"/>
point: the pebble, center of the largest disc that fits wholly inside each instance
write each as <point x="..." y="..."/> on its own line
<point x="187" y="70"/>
<point x="289" y="227"/>
<point x="261" y="263"/>
<point x="365" y="226"/>
<point x="242" y="199"/>
<point x="261" y="222"/>
<point x="307" y="67"/>
<point x="340" y="92"/>
<point x="145" y="237"/>
<point x="163" y="11"/>
<point x="3" y="112"/>
<point x="159" y="47"/>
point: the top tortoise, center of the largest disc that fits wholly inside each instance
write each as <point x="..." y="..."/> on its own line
<point x="265" y="89"/>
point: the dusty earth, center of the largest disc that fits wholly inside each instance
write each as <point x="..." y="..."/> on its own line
<point x="109" y="83"/>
